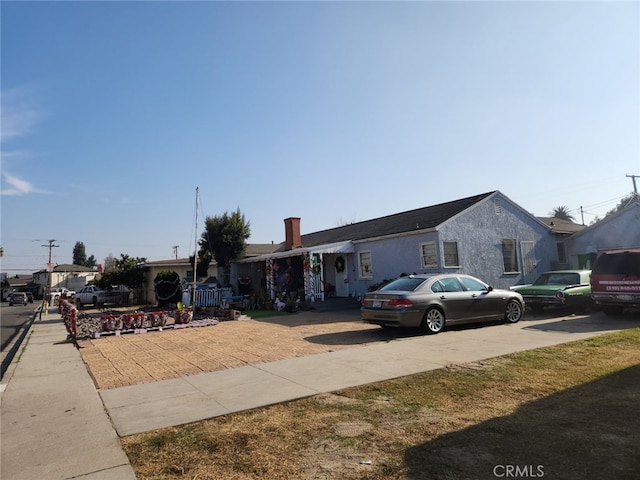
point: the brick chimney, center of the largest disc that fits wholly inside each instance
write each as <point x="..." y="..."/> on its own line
<point x="292" y="233"/>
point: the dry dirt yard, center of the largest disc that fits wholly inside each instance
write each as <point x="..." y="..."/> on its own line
<point x="118" y="361"/>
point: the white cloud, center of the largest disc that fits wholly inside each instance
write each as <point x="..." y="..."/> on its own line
<point x="13" y="185"/>
<point x="19" y="113"/>
<point x="17" y="186"/>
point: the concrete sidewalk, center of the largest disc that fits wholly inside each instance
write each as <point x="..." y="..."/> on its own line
<point x="197" y="397"/>
<point x="54" y="423"/>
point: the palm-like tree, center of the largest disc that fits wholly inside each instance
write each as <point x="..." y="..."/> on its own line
<point x="562" y="212"/>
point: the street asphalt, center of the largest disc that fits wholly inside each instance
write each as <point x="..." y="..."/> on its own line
<point x="56" y="425"/>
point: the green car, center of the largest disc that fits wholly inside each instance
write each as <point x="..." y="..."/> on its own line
<point x="560" y="288"/>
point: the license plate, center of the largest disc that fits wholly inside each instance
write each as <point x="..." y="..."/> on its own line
<point x="377" y="304"/>
<point x="624" y="297"/>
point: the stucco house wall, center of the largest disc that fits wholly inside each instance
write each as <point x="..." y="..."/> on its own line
<point x="182" y="266"/>
<point x="71" y="277"/>
<point x="479" y="232"/>
<point x="396" y="244"/>
<point x="620" y="230"/>
<point x="390" y="258"/>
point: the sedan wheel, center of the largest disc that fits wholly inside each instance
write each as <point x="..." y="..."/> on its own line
<point x="433" y="321"/>
<point x="513" y="311"/>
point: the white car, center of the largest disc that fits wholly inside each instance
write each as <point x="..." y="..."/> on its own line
<point x="56" y="293"/>
<point x="18" y="298"/>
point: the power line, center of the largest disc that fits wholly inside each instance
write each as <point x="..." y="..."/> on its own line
<point x="49" y="265"/>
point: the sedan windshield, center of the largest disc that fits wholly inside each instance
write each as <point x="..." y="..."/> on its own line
<point x="405" y="284"/>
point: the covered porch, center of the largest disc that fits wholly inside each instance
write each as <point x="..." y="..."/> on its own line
<point x="310" y="274"/>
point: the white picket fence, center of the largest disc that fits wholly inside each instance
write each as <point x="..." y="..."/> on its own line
<point x="207" y="298"/>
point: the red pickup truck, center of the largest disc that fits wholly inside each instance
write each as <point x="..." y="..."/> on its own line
<point x="615" y="280"/>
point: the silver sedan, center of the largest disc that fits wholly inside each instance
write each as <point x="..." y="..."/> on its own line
<point x="430" y="302"/>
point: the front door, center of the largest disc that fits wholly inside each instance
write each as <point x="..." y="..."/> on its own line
<point x="337" y="274"/>
<point x="342" y="275"/>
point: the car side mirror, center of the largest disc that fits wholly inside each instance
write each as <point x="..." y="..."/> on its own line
<point x="489" y="288"/>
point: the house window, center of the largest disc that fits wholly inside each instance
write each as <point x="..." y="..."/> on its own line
<point x="428" y="255"/>
<point x="509" y="255"/>
<point x="562" y="252"/>
<point x="528" y="256"/>
<point x="450" y="250"/>
<point x="364" y="259"/>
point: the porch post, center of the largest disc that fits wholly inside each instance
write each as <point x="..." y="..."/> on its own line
<point x="322" y="276"/>
<point x="308" y="278"/>
<point x="269" y="273"/>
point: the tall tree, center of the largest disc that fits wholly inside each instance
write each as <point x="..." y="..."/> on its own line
<point x="79" y="254"/>
<point x="224" y="238"/>
<point x="109" y="263"/>
<point x="91" y="261"/>
<point x="127" y="272"/>
<point x="202" y="267"/>
<point x="562" y="212"/>
<point x="626" y="200"/>
<point x="621" y="204"/>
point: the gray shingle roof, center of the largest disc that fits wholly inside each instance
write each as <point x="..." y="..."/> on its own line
<point x="561" y="226"/>
<point x="418" y="219"/>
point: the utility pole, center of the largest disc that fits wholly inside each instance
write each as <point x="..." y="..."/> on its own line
<point x="635" y="187"/>
<point x="49" y="267"/>
<point x="175" y="250"/>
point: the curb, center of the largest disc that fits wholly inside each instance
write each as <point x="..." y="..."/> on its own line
<point x="8" y="365"/>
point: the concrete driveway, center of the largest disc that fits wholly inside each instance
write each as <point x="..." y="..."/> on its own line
<point x="135" y="359"/>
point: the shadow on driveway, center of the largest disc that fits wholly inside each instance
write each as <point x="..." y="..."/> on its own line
<point x="595" y="322"/>
<point x="310" y="317"/>
<point x="378" y="334"/>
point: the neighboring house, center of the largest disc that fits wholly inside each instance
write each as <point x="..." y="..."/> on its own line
<point x="18" y="283"/>
<point x="182" y="266"/>
<point x="562" y="229"/>
<point x="618" y="230"/>
<point x="71" y="277"/>
<point x="486" y="235"/>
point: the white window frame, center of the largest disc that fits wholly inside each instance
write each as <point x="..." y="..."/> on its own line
<point x="511" y="242"/>
<point x="365" y="264"/>
<point x="428" y="259"/>
<point x="444" y="254"/>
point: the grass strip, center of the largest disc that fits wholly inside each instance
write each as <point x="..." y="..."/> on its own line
<point x="568" y="411"/>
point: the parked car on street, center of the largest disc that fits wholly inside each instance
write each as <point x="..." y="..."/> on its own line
<point x="430" y="302"/>
<point x="615" y="280"/>
<point x="58" y="293"/>
<point x="560" y="288"/>
<point x="18" y="298"/>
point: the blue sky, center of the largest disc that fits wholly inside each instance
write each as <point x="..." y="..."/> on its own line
<point x="335" y="112"/>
